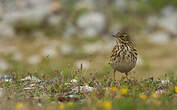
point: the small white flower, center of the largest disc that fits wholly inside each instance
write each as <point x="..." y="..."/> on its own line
<point x="74" y="80"/>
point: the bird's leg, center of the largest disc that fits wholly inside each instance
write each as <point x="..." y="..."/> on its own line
<point x="128" y="80"/>
<point x="127" y="76"/>
<point x="114" y="75"/>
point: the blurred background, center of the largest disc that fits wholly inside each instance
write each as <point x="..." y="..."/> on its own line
<point x="45" y="36"/>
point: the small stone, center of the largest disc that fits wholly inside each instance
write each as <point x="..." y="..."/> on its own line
<point x="6" y="78"/>
<point x="3" y="65"/>
<point x="28" y="88"/>
<point x="92" y="23"/>
<point x="73" y="81"/>
<point x="85" y="88"/>
<point x="31" y="86"/>
<point x="56" y="80"/>
<point x="159" y="91"/>
<point x="159" y="37"/>
<point x="39" y="104"/>
<point x="31" y="78"/>
<point x="71" y="96"/>
<point x="163" y="82"/>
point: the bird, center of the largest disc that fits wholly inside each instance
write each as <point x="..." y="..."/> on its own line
<point x="124" y="54"/>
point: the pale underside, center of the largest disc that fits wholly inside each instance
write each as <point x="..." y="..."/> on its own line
<point x="123" y="59"/>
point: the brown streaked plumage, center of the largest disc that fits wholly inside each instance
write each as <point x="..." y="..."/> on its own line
<point x="124" y="54"/>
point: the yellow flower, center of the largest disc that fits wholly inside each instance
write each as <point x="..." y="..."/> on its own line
<point x="176" y="89"/>
<point x="107" y="105"/>
<point x="124" y="91"/>
<point x="154" y="95"/>
<point x="113" y="89"/>
<point x="61" y="106"/>
<point x="19" y="106"/>
<point x="143" y="97"/>
<point x="69" y="104"/>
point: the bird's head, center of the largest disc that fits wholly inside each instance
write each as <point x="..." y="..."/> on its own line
<point x="122" y="37"/>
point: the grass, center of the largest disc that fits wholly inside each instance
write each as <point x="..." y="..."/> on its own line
<point x="141" y="93"/>
<point x="106" y="94"/>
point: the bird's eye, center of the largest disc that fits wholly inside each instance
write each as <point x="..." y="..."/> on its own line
<point x="124" y="37"/>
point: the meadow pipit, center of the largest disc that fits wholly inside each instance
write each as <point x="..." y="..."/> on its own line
<point x="124" y="54"/>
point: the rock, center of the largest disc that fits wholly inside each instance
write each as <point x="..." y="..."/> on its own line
<point x="30" y="15"/>
<point x="54" y="20"/>
<point x="24" y="17"/>
<point x="121" y="4"/>
<point x="31" y="78"/>
<point x="56" y="80"/>
<point x="18" y="56"/>
<point x="160" y="91"/>
<point x="73" y="81"/>
<point x="28" y="88"/>
<point x="3" y="65"/>
<point x="6" y="30"/>
<point x="99" y="47"/>
<point x="92" y="48"/>
<point x="70" y="30"/>
<point x="85" y="88"/>
<point x="159" y="37"/>
<point x="39" y="104"/>
<point x="35" y="59"/>
<point x="152" y="22"/>
<point x="92" y="23"/>
<point x="168" y="10"/>
<point x="166" y="21"/>
<point x="31" y="86"/>
<point x="6" y="78"/>
<point x="169" y="23"/>
<point x="85" y="4"/>
<point x="49" y="51"/>
<point x="85" y="64"/>
<point x="66" y="49"/>
<point x="163" y="82"/>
